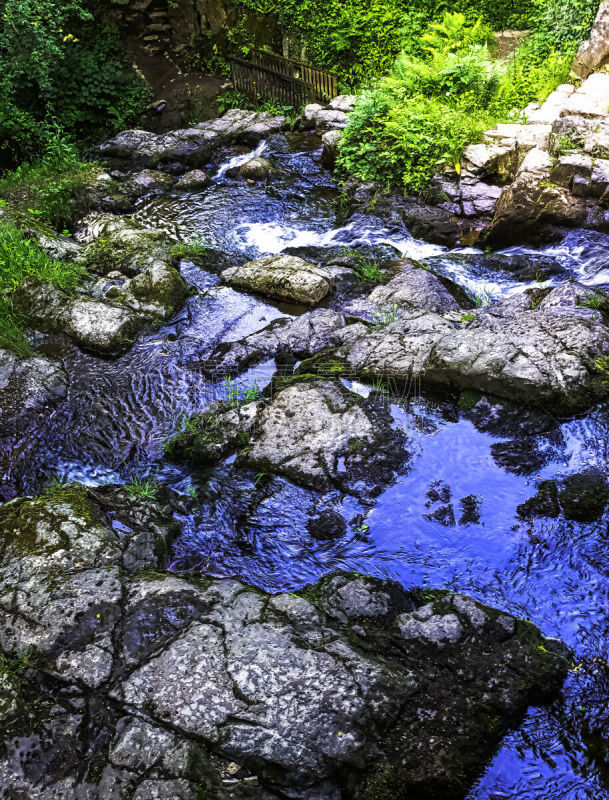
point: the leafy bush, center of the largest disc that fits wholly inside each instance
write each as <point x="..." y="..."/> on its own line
<point x="426" y="110"/>
<point x="430" y="106"/>
<point x="360" y="40"/>
<point x="56" y="64"/>
<point x="22" y="258"/>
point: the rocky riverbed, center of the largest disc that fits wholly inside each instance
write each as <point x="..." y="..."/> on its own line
<point x="297" y="505"/>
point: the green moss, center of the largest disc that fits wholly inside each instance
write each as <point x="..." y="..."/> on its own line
<point x="20" y="519"/>
<point x="468" y="399"/>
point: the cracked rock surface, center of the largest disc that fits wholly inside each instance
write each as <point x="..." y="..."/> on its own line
<point x="122" y="681"/>
<point x="548" y="354"/>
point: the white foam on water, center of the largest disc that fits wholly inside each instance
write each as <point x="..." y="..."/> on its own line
<point x="237" y="161"/>
<point x="271" y="238"/>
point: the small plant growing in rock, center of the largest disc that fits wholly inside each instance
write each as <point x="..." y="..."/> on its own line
<point x="482" y="298"/>
<point x="385" y="317"/>
<point x="194" y="250"/>
<point x="366" y="270"/>
<point x="355" y="445"/>
<point x="596" y="300"/>
<point x="142" y="487"/>
<point x="378" y="384"/>
<point x="467" y="317"/>
<point x="239" y="397"/>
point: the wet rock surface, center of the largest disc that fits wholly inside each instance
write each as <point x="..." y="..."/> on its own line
<point x="282" y="277"/>
<point x="29" y="385"/>
<point x="145" y="684"/>
<point x="194" y="146"/>
<point x="549" y="354"/>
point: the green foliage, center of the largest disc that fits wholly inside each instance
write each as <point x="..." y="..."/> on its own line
<point x="142" y="487"/>
<point x="366" y="270"/>
<point x="238" y="396"/>
<point x="596" y="300"/>
<point x="385" y="316"/>
<point x="49" y="191"/>
<point x="55" y="62"/>
<point x="426" y="110"/>
<point x="194" y="250"/>
<point x="360" y="40"/>
<point x="22" y="258"/>
<point x="441" y="94"/>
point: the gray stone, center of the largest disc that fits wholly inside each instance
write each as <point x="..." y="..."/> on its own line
<point x="214" y="688"/>
<point x="543" y="356"/>
<point x="592" y="97"/>
<point x="319" y="434"/>
<point x="299" y="337"/>
<point x="330" y="141"/>
<point x="148" y="181"/>
<point x="320" y="118"/>
<point x="193" y="180"/>
<point x="344" y="102"/>
<point x="417" y="288"/>
<point x="594" y="52"/>
<point x="29" y="385"/>
<point x="256" y="169"/>
<point x="282" y="277"/>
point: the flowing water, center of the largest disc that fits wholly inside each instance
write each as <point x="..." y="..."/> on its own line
<point x="450" y="520"/>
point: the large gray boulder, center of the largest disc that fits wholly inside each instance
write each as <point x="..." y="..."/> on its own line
<point x="417" y="288"/>
<point x="553" y="355"/>
<point x="594" y="52"/>
<point x="531" y="201"/>
<point x="320" y="435"/>
<point x="94" y="325"/>
<point x="283" y="278"/>
<point x="153" y="686"/>
<point x="193" y="146"/>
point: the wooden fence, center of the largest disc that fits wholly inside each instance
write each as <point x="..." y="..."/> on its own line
<point x="291" y="83"/>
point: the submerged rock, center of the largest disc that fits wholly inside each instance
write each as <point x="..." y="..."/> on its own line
<point x="148" y="685"/>
<point x="29" y="384"/>
<point x="584" y="496"/>
<point x="281" y="277"/>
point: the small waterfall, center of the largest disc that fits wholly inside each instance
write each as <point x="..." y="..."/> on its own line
<point x="237" y="161"/>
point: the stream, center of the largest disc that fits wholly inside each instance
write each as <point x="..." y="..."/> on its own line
<point x="450" y="521"/>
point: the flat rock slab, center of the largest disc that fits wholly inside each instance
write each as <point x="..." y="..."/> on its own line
<point x="551" y="355"/>
<point x="320" y="435"/>
<point x="191" y="146"/>
<point x="592" y="97"/>
<point x="283" y="278"/>
<point x="153" y="686"/>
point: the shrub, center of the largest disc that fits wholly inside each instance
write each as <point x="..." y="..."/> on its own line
<point x="431" y="105"/>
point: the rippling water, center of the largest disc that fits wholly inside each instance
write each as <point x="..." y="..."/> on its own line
<point x="450" y="520"/>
